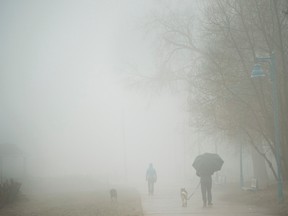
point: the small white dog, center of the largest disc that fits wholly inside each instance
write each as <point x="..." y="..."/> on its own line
<point x="184" y="197"/>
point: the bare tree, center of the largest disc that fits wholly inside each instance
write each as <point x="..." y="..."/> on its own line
<point x="217" y="69"/>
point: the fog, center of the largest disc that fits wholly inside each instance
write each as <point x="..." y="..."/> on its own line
<point x="67" y="100"/>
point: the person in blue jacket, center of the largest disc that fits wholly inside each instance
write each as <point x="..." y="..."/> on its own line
<point x="151" y="178"/>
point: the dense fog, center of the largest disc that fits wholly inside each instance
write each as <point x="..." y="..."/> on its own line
<point x="71" y="102"/>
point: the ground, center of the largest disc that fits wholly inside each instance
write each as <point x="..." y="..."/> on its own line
<point x="266" y="198"/>
<point x="98" y="203"/>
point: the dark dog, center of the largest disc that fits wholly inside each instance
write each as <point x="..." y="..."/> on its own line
<point x="113" y="195"/>
<point x="184" y="197"/>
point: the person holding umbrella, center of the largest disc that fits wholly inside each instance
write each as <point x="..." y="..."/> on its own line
<point x="206" y="164"/>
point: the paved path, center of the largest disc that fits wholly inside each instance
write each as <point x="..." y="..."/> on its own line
<point x="167" y="203"/>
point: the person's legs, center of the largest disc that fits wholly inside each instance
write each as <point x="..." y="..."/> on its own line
<point x="203" y="190"/>
<point x="209" y="193"/>
<point x="149" y="187"/>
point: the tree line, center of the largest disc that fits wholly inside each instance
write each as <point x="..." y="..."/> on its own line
<point x="214" y="52"/>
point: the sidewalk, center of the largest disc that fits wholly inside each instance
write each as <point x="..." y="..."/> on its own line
<point x="167" y="202"/>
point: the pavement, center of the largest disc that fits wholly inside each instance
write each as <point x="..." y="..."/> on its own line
<point x="167" y="202"/>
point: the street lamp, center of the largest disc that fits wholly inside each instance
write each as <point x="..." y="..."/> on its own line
<point x="257" y="71"/>
<point x="241" y="166"/>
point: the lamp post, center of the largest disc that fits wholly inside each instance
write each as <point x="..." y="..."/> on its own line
<point x="241" y="167"/>
<point x="258" y="72"/>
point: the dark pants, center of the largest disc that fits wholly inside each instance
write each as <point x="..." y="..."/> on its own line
<point x="151" y="187"/>
<point x="206" y="185"/>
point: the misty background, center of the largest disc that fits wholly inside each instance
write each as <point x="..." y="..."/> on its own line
<point x="70" y="101"/>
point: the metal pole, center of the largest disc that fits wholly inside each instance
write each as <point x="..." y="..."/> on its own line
<point x="124" y="146"/>
<point x="276" y="125"/>
<point x="241" y="166"/>
<point x="1" y="171"/>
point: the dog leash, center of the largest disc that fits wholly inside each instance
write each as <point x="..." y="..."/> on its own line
<point x="194" y="191"/>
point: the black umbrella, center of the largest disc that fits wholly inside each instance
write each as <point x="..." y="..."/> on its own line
<point x="207" y="163"/>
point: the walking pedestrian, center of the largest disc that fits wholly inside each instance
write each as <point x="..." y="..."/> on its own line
<point x="206" y="164"/>
<point x="151" y="178"/>
<point x="206" y="187"/>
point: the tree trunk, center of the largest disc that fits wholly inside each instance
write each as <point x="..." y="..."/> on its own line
<point x="259" y="168"/>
